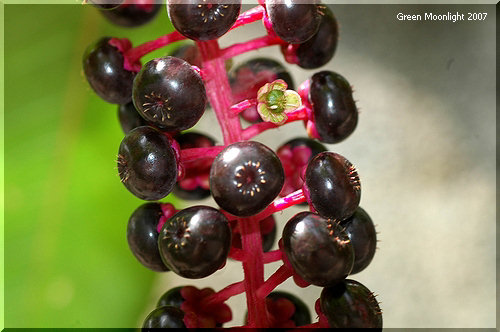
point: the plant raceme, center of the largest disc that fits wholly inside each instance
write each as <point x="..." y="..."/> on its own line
<point x="161" y="99"/>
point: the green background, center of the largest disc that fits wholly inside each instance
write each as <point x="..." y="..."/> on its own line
<point x="67" y="263"/>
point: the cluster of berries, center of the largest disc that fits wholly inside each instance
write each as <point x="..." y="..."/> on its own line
<point x="250" y="182"/>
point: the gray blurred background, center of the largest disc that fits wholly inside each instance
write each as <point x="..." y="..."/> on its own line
<point x="425" y="151"/>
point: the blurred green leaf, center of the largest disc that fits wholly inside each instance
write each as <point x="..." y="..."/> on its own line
<point x="67" y="263"/>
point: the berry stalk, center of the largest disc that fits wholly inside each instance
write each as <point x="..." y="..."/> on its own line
<point x="251" y="45"/>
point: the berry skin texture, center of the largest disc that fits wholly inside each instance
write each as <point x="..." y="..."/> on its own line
<point x="169" y="93"/>
<point x="246" y="177"/>
<point x="132" y="15"/>
<point x="335" y="112"/>
<point x="103" y="68"/>
<point x="321" y="47"/>
<point x="361" y="231"/>
<point x="164" y="317"/>
<point x="142" y="236"/>
<point x="129" y="118"/>
<point x="349" y="304"/>
<point x="195" y="242"/>
<point x="172" y="298"/>
<point x="199" y="21"/>
<point x="318" y="249"/>
<point x="332" y="184"/>
<point x="294" y="23"/>
<point x="147" y="163"/>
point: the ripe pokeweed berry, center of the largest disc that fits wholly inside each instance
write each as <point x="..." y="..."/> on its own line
<point x="142" y="236"/>
<point x="245" y="177"/>
<point x="320" y="48"/>
<point x="103" y="68"/>
<point x="333" y="186"/>
<point x="361" y="231"/>
<point x="129" y="118"/>
<point x="169" y="93"/>
<point x="199" y="20"/>
<point x="147" y="164"/>
<point x="164" y="317"/>
<point x="172" y="297"/>
<point x="334" y="109"/>
<point x="195" y="242"/>
<point x="250" y="76"/>
<point x="132" y="14"/>
<point x="188" y="53"/>
<point x="318" y="249"/>
<point x="294" y="22"/>
<point x="295" y="154"/>
<point x="349" y="304"/>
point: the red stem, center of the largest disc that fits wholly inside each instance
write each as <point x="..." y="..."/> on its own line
<point x="280" y="204"/>
<point x="274" y="280"/>
<point x="255" y="129"/>
<point x="194" y="154"/>
<point x="134" y="54"/>
<point x="219" y="90"/>
<point x="251" y="45"/>
<point x="243" y="105"/>
<point x="249" y="16"/>
<point x="253" y="268"/>
<point x="225" y="293"/>
<point x="272" y="256"/>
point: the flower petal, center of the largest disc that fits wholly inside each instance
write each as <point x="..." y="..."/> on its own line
<point x="293" y="100"/>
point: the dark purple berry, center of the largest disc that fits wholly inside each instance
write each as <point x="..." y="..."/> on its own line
<point x="320" y="48"/>
<point x="129" y="117"/>
<point x="142" y="236"/>
<point x="250" y="76"/>
<point x="195" y="242"/>
<point x="245" y="178"/>
<point x="295" y="155"/>
<point x="169" y="93"/>
<point x="301" y="315"/>
<point x="147" y="163"/>
<point x="199" y="20"/>
<point x="349" y="304"/>
<point x="103" y="68"/>
<point x="133" y="14"/>
<point x="334" y="109"/>
<point x="164" y="317"/>
<point x="332" y="184"/>
<point x="172" y="297"/>
<point x="188" y="53"/>
<point x="195" y="184"/>
<point x="318" y="249"/>
<point x="294" y="22"/>
<point x="361" y="231"/>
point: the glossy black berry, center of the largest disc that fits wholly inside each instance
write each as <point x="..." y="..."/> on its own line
<point x="295" y="155"/>
<point x="169" y="93"/>
<point x="301" y="315"/>
<point x="195" y="184"/>
<point x="320" y="48"/>
<point x="172" y="298"/>
<point x="318" y="249"/>
<point x="292" y="21"/>
<point x="133" y="14"/>
<point x="349" y="304"/>
<point x="129" y="117"/>
<point x="195" y="242"/>
<point x="361" y="231"/>
<point x="333" y="186"/>
<point x="188" y="53"/>
<point x="142" y="236"/>
<point x="103" y="68"/>
<point x="199" y="20"/>
<point x="334" y="109"/>
<point x="147" y="163"/>
<point x="250" y="76"/>
<point x="164" y="317"/>
<point x="245" y="178"/>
